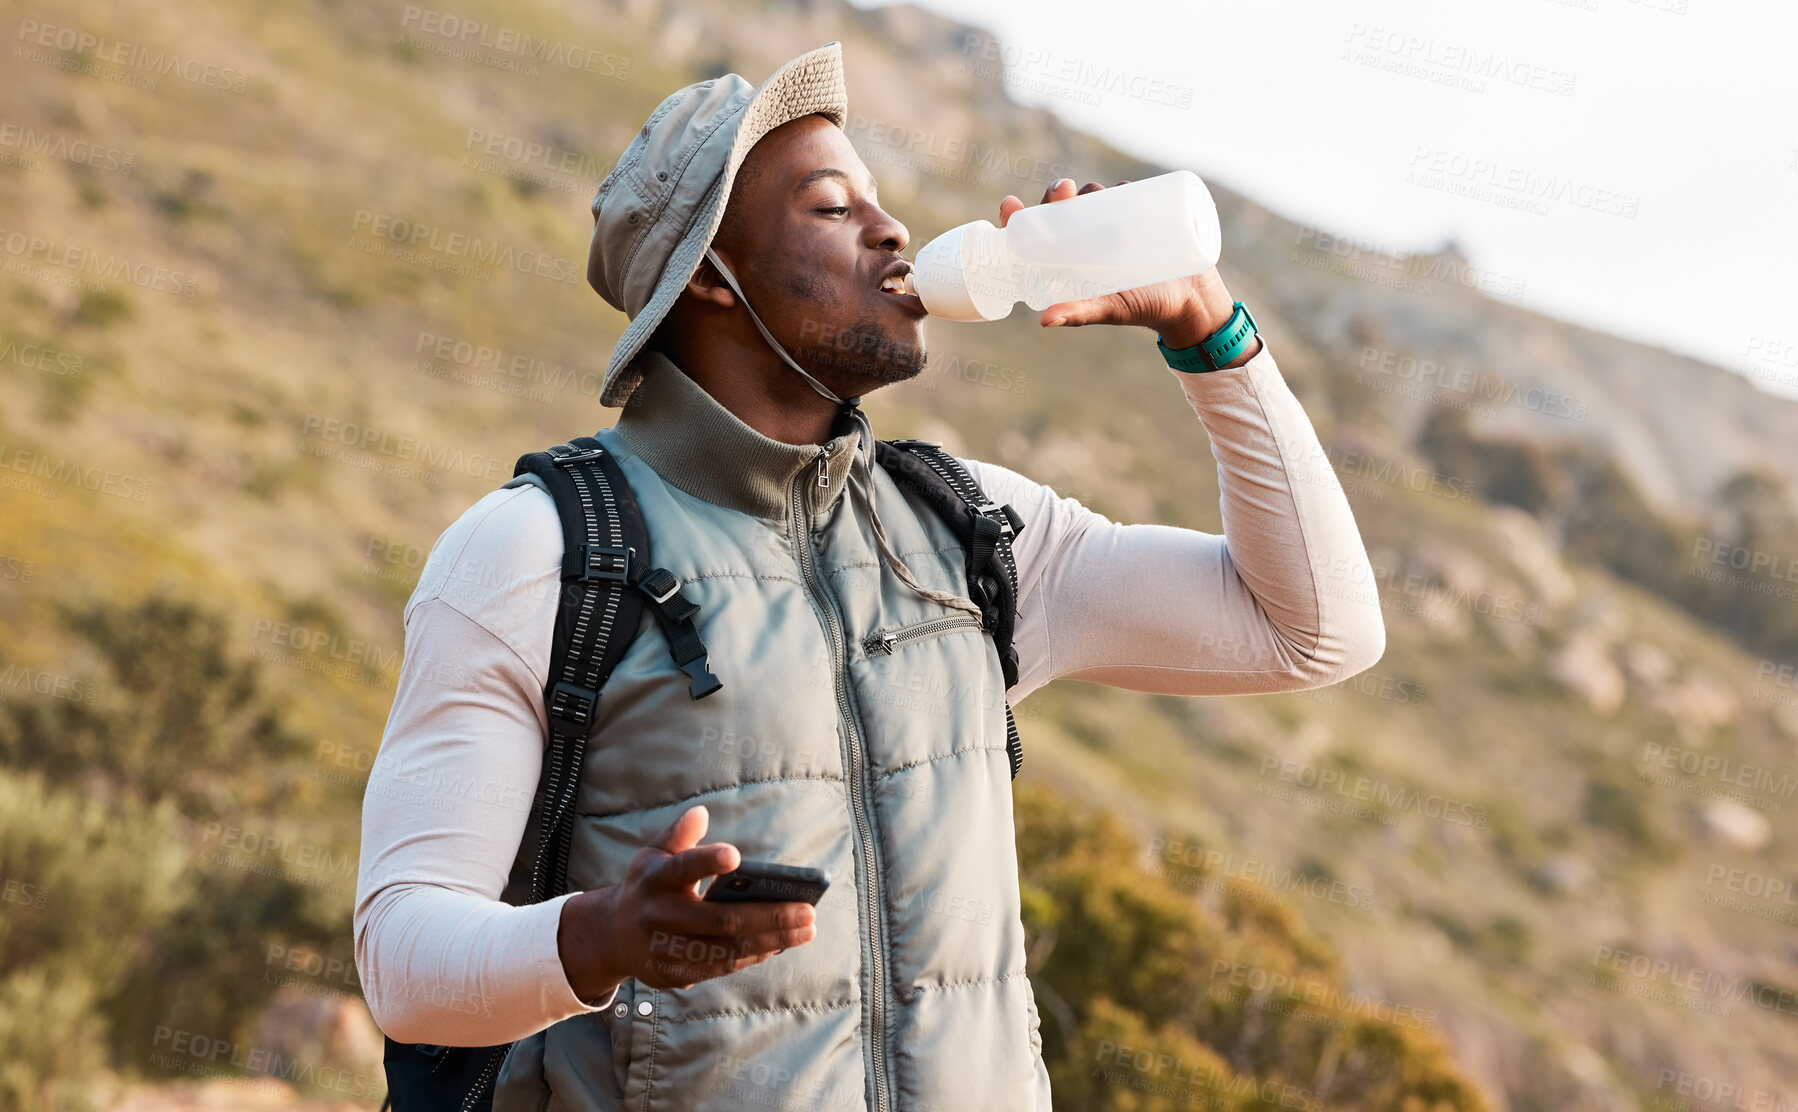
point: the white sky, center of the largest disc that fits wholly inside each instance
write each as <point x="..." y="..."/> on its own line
<point x="1687" y="109"/>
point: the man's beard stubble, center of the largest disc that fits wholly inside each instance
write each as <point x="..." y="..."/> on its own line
<point x="862" y="352"/>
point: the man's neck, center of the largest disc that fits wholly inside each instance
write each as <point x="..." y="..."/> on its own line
<point x="762" y="392"/>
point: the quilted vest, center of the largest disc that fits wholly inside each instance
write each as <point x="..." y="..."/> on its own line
<point x="861" y="728"/>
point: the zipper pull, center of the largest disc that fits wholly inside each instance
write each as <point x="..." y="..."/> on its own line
<point x="823" y="474"/>
<point x="879" y="645"/>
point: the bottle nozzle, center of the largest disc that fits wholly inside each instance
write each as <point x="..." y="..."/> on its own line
<point x="909" y="287"/>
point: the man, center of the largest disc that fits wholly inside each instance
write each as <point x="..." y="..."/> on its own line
<point x="861" y="725"/>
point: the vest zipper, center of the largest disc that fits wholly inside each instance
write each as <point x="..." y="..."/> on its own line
<point x="856" y="774"/>
<point x="885" y="642"/>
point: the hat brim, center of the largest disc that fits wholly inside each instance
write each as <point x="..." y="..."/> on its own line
<point x="811" y="84"/>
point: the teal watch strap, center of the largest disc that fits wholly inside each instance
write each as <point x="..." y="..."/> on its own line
<point x="1217" y="349"/>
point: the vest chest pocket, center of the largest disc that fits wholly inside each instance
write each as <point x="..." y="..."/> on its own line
<point x="888" y="641"/>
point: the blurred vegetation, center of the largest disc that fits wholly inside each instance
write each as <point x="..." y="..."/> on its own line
<point x="1150" y="1001"/>
<point x="126" y="909"/>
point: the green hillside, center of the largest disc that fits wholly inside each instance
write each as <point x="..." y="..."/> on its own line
<point x="274" y="313"/>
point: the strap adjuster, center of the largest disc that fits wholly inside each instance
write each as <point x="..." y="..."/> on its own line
<point x="571" y="707"/>
<point x="993" y="511"/>
<point x="652" y="585"/>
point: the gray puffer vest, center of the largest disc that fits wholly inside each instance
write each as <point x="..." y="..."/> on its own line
<point x="882" y="760"/>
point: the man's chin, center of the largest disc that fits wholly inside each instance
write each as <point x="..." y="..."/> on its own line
<point x="871" y="352"/>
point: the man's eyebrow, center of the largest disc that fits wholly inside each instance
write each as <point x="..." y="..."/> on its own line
<point x="828" y="172"/>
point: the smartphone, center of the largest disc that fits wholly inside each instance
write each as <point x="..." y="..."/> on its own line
<point x="767" y="882"/>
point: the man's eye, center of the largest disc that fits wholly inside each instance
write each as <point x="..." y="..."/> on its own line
<point x="844" y="209"/>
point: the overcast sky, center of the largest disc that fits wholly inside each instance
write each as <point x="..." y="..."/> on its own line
<point x="1664" y="134"/>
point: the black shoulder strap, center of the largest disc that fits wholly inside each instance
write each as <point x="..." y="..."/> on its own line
<point x="986" y="529"/>
<point x="607" y="582"/>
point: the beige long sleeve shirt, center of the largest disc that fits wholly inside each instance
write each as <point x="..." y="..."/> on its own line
<point x="1283" y="600"/>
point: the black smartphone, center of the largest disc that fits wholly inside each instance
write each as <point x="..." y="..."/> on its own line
<point x="767" y="882"/>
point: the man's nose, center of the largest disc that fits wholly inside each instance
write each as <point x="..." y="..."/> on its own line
<point x="887" y="233"/>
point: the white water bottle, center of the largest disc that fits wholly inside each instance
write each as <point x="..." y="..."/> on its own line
<point x="1101" y="242"/>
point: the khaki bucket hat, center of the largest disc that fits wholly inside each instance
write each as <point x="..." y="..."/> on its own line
<point x="657" y="211"/>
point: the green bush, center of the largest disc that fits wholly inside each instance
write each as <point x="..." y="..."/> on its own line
<point x="1150" y="1002"/>
<point x="120" y="919"/>
<point x="84" y="880"/>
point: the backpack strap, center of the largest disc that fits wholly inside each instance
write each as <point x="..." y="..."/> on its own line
<point x="986" y="530"/>
<point x="607" y="583"/>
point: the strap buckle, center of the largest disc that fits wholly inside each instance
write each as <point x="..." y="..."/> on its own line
<point x="571" y="707"/>
<point x="566" y="454"/>
<point x="598" y="561"/>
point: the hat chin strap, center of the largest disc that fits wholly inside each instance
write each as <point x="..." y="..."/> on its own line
<point x="769" y="336"/>
<point x="865" y="461"/>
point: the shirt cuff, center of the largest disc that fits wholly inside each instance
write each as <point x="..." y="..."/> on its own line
<point x="559" y="999"/>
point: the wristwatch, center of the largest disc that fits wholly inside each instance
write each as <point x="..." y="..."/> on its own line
<point x="1217" y="349"/>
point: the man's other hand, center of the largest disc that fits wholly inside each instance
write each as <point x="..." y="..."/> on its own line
<point x="655" y="928"/>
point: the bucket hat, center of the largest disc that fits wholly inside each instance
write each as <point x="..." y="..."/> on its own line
<point x="657" y="211"/>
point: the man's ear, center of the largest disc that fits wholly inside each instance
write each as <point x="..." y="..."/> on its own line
<point x="709" y="286"/>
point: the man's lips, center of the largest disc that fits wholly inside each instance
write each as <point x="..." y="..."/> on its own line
<point x="909" y="303"/>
